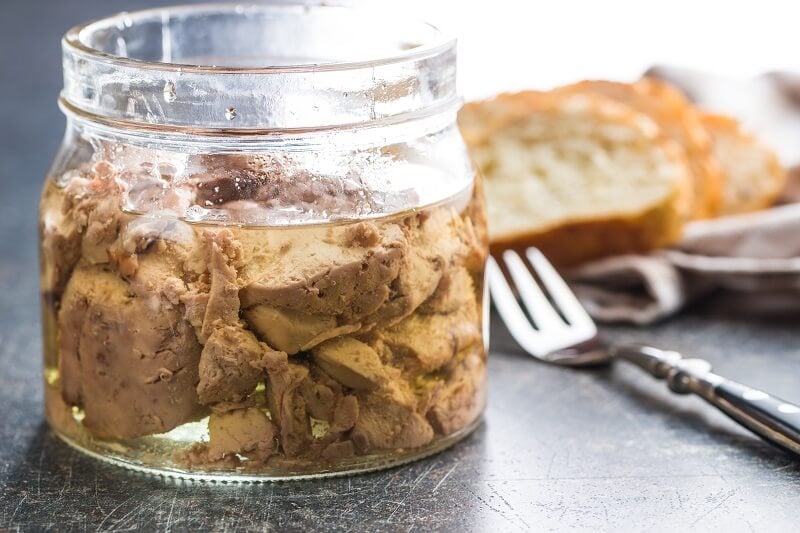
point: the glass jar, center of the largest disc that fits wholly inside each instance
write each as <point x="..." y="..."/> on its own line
<point x="262" y="244"/>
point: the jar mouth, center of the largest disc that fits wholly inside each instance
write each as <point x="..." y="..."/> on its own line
<point x="273" y="66"/>
<point x="92" y="37"/>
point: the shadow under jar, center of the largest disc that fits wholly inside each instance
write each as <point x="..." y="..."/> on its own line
<point x="262" y="244"/>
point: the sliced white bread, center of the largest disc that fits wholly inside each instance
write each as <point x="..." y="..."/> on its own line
<point x="578" y="175"/>
<point x="680" y="122"/>
<point x="754" y="177"/>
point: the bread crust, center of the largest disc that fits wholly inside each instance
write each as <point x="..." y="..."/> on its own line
<point x="570" y="242"/>
<point x="480" y="120"/>
<point x="680" y="122"/>
<point x="773" y="180"/>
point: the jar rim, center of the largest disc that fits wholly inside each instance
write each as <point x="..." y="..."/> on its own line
<point x="284" y="65"/>
<point x="75" y="39"/>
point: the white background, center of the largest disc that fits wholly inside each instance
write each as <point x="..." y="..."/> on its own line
<point x="514" y="44"/>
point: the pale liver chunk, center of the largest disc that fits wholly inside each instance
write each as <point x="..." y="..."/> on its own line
<point x="81" y="219"/>
<point x="388" y="419"/>
<point x="95" y="206"/>
<point x="461" y="398"/>
<point x="132" y="367"/>
<point x="324" y="275"/>
<point x="439" y="241"/>
<point x="213" y="299"/>
<point x="455" y="289"/>
<point x="230" y="365"/>
<point x="351" y="362"/>
<point x="60" y="241"/>
<point x="222" y="307"/>
<point x="157" y="278"/>
<point x="288" y="408"/>
<point x="432" y="339"/>
<point x="245" y="432"/>
<point x="291" y="331"/>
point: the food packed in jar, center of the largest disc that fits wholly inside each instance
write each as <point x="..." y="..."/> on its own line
<point x="242" y="287"/>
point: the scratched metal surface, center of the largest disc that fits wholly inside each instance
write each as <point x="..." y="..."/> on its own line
<point x="607" y="449"/>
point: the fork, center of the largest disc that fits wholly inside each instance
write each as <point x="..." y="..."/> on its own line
<point x="563" y="333"/>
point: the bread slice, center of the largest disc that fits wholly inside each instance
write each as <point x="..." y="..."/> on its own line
<point x="578" y="175"/>
<point x="680" y="122"/>
<point x="754" y="177"/>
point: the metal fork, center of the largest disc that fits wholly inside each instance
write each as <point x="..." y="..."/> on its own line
<point x="563" y="333"/>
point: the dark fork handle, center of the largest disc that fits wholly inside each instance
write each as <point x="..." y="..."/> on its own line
<point x="771" y="418"/>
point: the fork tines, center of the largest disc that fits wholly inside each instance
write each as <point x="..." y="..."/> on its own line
<point x="559" y="321"/>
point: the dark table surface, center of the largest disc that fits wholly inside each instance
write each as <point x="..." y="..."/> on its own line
<point x="601" y="449"/>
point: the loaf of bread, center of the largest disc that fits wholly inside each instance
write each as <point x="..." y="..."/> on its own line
<point x="680" y="122"/>
<point x="578" y="175"/>
<point x="753" y="175"/>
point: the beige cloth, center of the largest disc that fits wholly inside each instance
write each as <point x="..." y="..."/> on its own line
<point x="757" y="254"/>
<point x="754" y="258"/>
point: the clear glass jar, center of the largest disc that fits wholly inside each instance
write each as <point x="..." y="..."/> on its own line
<point x="261" y="272"/>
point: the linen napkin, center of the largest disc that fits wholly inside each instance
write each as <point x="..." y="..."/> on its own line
<point x="754" y="258"/>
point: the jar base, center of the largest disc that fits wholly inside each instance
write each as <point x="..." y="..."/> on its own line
<point x="357" y="465"/>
